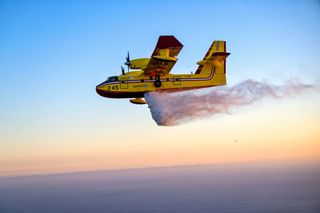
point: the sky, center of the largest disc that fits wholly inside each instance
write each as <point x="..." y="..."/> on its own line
<point x="54" y="53"/>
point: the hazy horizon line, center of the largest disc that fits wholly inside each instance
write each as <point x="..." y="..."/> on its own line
<point x="157" y="167"/>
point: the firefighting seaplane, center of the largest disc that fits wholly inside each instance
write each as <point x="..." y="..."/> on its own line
<point x="153" y="74"/>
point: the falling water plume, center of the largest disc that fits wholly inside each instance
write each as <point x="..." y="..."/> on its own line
<point x="169" y="109"/>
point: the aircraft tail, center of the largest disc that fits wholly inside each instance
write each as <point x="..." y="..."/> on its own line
<point x="215" y="56"/>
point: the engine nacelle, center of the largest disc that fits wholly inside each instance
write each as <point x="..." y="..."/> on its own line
<point x="139" y="63"/>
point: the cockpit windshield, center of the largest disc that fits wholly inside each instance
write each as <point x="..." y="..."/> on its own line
<point x="112" y="79"/>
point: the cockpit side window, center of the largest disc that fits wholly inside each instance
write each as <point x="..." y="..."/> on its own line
<point x="112" y="79"/>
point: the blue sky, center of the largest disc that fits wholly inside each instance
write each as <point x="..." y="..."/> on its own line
<point x="54" y="53"/>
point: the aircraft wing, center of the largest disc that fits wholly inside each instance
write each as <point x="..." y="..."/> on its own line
<point x="163" y="57"/>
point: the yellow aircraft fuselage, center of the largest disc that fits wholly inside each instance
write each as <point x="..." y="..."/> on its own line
<point x="132" y="86"/>
<point x="211" y="72"/>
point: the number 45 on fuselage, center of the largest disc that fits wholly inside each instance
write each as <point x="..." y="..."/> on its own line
<point x="153" y="74"/>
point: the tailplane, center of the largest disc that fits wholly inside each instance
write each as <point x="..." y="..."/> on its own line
<point x="215" y="56"/>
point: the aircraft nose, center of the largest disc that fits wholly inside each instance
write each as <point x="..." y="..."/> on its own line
<point x="99" y="90"/>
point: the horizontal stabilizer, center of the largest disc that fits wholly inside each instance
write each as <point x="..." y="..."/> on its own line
<point x="215" y="59"/>
<point x="215" y="56"/>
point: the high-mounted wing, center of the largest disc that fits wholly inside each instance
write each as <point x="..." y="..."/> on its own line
<point x="164" y="56"/>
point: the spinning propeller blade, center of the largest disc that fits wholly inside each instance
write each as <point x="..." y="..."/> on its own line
<point x="122" y="70"/>
<point x="128" y="61"/>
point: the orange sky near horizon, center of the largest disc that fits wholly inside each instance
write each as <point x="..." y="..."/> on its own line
<point x="286" y="129"/>
<point x="54" y="53"/>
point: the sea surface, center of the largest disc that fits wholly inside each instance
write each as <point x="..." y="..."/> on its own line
<point x="264" y="187"/>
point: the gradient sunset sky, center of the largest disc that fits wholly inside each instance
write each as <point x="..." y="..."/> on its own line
<point x="54" y="53"/>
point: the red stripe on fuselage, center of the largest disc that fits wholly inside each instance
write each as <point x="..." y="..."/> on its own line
<point x="111" y="94"/>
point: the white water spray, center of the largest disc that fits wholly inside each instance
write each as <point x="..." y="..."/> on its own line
<point x="169" y="109"/>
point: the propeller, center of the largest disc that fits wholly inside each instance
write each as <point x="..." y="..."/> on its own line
<point x="122" y="70"/>
<point x="128" y="61"/>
